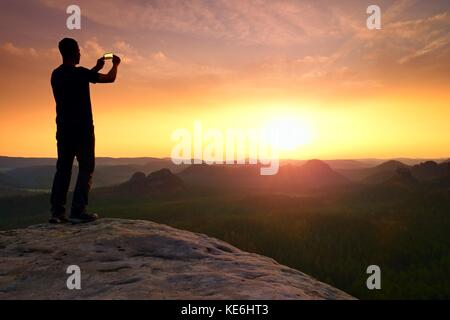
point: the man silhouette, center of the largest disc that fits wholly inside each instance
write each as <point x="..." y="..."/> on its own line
<point x="75" y="130"/>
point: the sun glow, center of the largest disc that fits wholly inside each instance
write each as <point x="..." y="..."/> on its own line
<point x="290" y="132"/>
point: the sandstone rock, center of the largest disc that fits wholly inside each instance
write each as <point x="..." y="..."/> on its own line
<point x="133" y="259"/>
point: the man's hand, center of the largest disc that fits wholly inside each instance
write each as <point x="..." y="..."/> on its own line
<point x="100" y="64"/>
<point x="116" y="60"/>
<point x="111" y="75"/>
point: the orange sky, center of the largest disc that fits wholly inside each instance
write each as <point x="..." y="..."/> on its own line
<point x="358" y="93"/>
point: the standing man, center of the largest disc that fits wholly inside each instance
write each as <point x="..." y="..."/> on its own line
<point x="75" y="130"/>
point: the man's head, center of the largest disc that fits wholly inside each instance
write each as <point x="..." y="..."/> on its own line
<point x="70" y="51"/>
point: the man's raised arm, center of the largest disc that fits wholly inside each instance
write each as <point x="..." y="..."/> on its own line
<point x="111" y="75"/>
<point x="99" y="66"/>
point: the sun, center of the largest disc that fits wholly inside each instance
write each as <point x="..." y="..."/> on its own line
<point x="289" y="133"/>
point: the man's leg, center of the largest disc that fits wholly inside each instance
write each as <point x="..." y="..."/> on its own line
<point x="86" y="164"/>
<point x="61" y="180"/>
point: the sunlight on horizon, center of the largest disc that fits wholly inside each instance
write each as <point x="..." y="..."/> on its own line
<point x="291" y="132"/>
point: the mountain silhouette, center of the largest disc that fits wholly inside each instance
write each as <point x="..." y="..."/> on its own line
<point x="18" y="162"/>
<point x="158" y="182"/>
<point x="390" y="165"/>
<point x="430" y="170"/>
<point x="375" y="174"/>
<point x="111" y="173"/>
<point x="384" y="171"/>
<point x="402" y="178"/>
<point x="312" y="174"/>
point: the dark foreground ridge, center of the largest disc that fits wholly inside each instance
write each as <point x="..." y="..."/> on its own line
<point x="134" y="259"/>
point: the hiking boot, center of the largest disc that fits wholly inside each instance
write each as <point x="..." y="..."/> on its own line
<point x="58" y="219"/>
<point x="83" y="217"/>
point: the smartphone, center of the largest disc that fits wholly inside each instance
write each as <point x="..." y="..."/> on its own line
<point x="108" y="56"/>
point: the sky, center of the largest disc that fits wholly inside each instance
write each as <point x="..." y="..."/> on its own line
<point x="312" y="65"/>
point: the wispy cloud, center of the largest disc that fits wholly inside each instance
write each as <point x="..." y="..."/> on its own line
<point x="11" y="49"/>
<point x="252" y="22"/>
<point x="268" y="43"/>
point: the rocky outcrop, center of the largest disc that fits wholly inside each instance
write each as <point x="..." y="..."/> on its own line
<point x="133" y="259"/>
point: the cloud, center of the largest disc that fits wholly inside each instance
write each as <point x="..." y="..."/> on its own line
<point x="397" y="9"/>
<point x="11" y="49"/>
<point x="430" y="48"/>
<point x="427" y="36"/>
<point x="159" y="56"/>
<point x="141" y="66"/>
<point x="247" y="22"/>
<point x="403" y="41"/>
<point x="92" y="49"/>
<point x="314" y="59"/>
<point x="267" y="43"/>
<point x="15" y="51"/>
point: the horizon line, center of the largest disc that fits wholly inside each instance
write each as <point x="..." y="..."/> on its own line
<point x="281" y="159"/>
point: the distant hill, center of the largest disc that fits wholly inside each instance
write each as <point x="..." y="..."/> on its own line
<point x="375" y="174"/>
<point x="347" y="164"/>
<point x="384" y="171"/>
<point x="41" y="177"/>
<point x="161" y="181"/>
<point x="9" y="163"/>
<point x="402" y="178"/>
<point x="430" y="170"/>
<point x="18" y="162"/>
<point x="389" y="165"/>
<point x="34" y="177"/>
<point x="335" y="164"/>
<point x="37" y="173"/>
<point x="221" y="175"/>
<point x="425" y="171"/>
<point x="312" y="174"/>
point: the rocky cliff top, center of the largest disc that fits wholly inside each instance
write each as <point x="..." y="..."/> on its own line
<point x="133" y="259"/>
